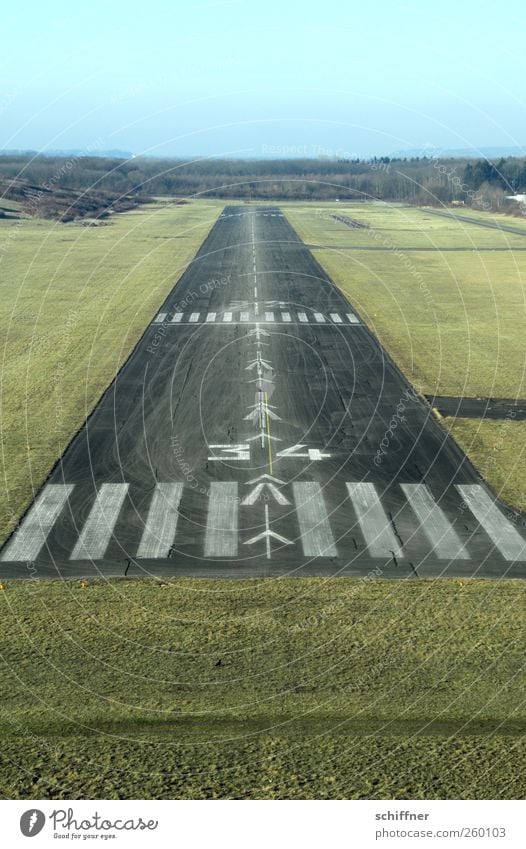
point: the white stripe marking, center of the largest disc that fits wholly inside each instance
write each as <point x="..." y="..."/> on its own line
<point x="29" y="538"/>
<point x="160" y="318"/>
<point x="177" y="317"/>
<point x="96" y="533"/>
<point x="161" y="524"/>
<point x="316" y="534"/>
<point x="303" y="316"/>
<point x="286" y="316"/>
<point x="375" y="525"/>
<point x="353" y="318"/>
<point x="211" y="316"/>
<point x="435" y="525"/>
<point x="500" y="530"/>
<point x="319" y="317"/>
<point x="269" y="316"/>
<point x="244" y="316"/>
<point x="222" y="520"/>
<point x="336" y="318"/>
<point x="227" y="316"/>
<point x="194" y="317"/>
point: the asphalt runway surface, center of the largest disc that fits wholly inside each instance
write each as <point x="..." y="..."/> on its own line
<point x="259" y="429"/>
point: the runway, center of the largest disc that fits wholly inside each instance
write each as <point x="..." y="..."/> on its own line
<point x="259" y="429"/>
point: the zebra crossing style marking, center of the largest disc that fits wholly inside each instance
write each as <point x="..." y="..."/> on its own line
<point x="28" y="540"/>
<point x="221" y="538"/>
<point x="375" y="526"/>
<point x="436" y="527"/>
<point x="222" y="520"/>
<point x="315" y="531"/>
<point x="161" y="524"/>
<point x="251" y="316"/>
<point x="499" y="529"/>
<point x="96" y="533"/>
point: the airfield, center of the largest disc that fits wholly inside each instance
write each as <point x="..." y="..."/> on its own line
<point x="259" y="429"/>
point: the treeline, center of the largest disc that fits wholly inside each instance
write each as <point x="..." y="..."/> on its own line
<point x="420" y="180"/>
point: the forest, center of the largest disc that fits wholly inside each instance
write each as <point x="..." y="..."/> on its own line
<point x="76" y="186"/>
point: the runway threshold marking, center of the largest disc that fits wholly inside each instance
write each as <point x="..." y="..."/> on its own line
<point x="499" y="529"/>
<point x="316" y="534"/>
<point x="374" y="523"/>
<point x="96" y="533"/>
<point x="434" y="523"/>
<point x="222" y="520"/>
<point x="161" y="524"/>
<point x="29" y="538"/>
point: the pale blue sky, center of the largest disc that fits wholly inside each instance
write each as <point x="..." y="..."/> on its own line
<point x="225" y="78"/>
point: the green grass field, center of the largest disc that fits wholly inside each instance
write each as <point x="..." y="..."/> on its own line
<point x="333" y="688"/>
<point x="453" y="320"/>
<point x="498" y="449"/>
<point x="75" y="301"/>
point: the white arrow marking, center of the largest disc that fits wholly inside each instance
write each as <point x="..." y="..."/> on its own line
<point x="296" y="451"/>
<point x="264" y="436"/>
<point x="259" y="362"/>
<point x="257" y="333"/>
<point x="267" y="534"/>
<point x="266" y="477"/>
<point x="253" y="496"/>
<point x="262" y="408"/>
<point x="232" y="452"/>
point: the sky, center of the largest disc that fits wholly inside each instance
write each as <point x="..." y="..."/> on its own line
<point x="276" y="78"/>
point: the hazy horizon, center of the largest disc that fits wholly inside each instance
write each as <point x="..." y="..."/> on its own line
<point x="223" y="79"/>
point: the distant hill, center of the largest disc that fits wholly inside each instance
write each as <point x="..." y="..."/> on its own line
<point x="106" y="154"/>
<point x="462" y="153"/>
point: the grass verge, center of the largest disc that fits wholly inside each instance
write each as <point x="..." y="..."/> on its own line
<point x="75" y="301"/>
<point x="452" y="318"/>
<point x="297" y="688"/>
